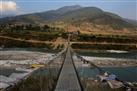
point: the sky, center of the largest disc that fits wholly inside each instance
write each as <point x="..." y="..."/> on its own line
<point x="124" y="8"/>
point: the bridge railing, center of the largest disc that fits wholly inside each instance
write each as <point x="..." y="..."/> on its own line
<point x="89" y="75"/>
<point x="54" y="68"/>
<point x="83" y="70"/>
<point x="45" y="78"/>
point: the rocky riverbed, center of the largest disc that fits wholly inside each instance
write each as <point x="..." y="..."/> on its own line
<point x="111" y="62"/>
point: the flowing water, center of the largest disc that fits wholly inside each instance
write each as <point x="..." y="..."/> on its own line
<point x="123" y="73"/>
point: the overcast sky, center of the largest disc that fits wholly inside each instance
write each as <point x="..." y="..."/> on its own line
<point x="124" y="8"/>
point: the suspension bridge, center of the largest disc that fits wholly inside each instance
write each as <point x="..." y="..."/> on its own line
<point x="66" y="75"/>
<point x="68" y="78"/>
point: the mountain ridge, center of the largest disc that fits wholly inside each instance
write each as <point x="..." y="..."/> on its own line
<point x="74" y="14"/>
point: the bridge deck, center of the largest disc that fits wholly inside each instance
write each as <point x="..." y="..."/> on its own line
<point x="68" y="80"/>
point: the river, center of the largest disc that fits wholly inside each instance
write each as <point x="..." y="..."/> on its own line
<point x="123" y="73"/>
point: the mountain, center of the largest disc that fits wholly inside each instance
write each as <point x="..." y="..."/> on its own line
<point x="134" y="22"/>
<point x="71" y="14"/>
<point x="80" y="14"/>
<point x="66" y="9"/>
<point x="40" y="17"/>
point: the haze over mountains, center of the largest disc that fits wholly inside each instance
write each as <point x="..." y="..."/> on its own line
<point x="71" y="14"/>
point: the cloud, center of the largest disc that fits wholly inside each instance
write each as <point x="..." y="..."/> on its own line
<point x="8" y="6"/>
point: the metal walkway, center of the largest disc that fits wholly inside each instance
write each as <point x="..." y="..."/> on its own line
<point x="68" y="79"/>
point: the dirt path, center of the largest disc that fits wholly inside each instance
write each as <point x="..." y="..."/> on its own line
<point x="104" y="43"/>
<point x="60" y="41"/>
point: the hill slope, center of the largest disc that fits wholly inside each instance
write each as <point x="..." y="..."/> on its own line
<point x="75" y="15"/>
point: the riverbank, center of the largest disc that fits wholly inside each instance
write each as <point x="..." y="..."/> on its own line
<point x="22" y="58"/>
<point x="110" y="58"/>
<point x="111" y="62"/>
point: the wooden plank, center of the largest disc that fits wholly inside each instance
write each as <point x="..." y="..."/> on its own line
<point x="68" y="80"/>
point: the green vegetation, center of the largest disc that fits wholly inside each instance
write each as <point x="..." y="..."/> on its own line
<point x="116" y="26"/>
<point x="106" y="38"/>
<point x="44" y="33"/>
<point x="104" y="46"/>
<point x="15" y="43"/>
<point x="104" y="42"/>
<point x="30" y="36"/>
